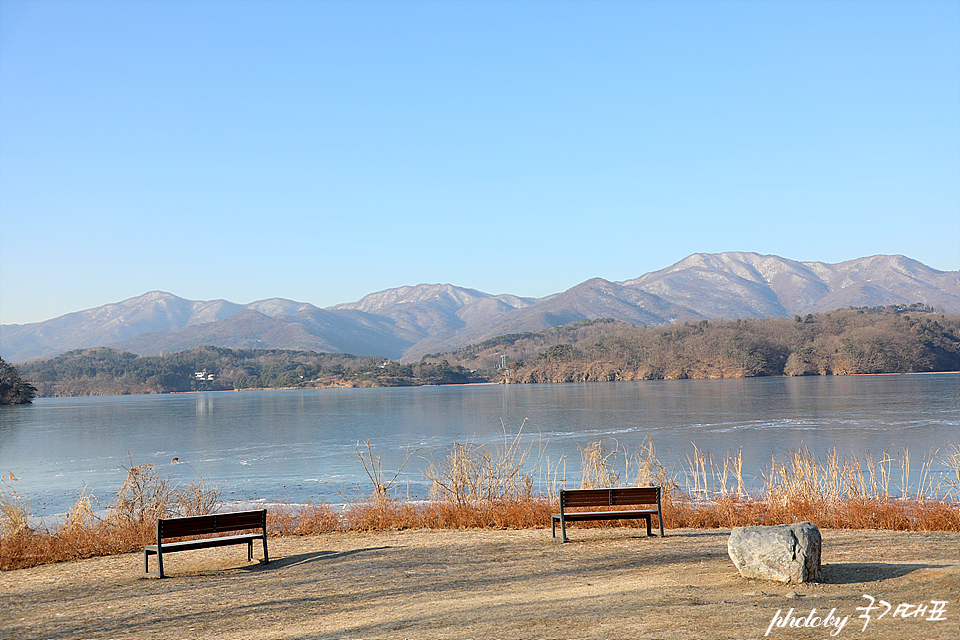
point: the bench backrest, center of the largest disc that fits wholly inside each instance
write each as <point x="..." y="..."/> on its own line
<point x="213" y="523"/>
<point x="609" y="497"/>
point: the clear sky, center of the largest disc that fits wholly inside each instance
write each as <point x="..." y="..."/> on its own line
<point x="321" y="151"/>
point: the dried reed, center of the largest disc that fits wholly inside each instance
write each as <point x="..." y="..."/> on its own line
<point x="834" y="492"/>
<point x="302" y="519"/>
<point x="130" y="520"/>
<point x="471" y="473"/>
<point x="145" y="495"/>
<point x="373" y="466"/>
<point x="476" y="488"/>
<point x="14" y="510"/>
<point x="596" y="466"/>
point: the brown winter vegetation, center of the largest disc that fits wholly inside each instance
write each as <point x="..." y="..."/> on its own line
<point x="477" y="488"/>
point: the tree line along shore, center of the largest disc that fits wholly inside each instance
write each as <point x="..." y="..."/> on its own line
<point x="894" y="339"/>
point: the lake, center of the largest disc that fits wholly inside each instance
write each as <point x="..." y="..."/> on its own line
<point x="300" y="445"/>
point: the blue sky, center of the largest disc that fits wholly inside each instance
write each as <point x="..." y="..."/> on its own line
<point x="321" y="151"/>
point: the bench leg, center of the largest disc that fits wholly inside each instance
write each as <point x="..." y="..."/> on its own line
<point x="146" y="563"/>
<point x="160" y="561"/>
<point x="649" y="533"/>
<point x="563" y="527"/>
<point x="266" y="556"/>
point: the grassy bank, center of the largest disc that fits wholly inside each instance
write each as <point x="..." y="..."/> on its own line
<point x="474" y="487"/>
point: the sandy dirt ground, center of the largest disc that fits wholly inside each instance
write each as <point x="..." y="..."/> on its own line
<point x="604" y="583"/>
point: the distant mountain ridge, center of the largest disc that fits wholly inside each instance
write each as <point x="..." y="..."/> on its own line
<point x="747" y="285"/>
<point x="407" y="322"/>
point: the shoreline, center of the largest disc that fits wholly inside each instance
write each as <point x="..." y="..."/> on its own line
<point x="503" y="381"/>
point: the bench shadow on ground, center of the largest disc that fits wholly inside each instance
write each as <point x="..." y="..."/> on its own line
<point x="855" y="572"/>
<point x="306" y="558"/>
<point x="598" y="534"/>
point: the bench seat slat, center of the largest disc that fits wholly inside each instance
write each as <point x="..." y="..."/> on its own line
<point x="238" y="520"/>
<point x="203" y="543"/>
<point x="607" y="515"/>
<point x="173" y="529"/>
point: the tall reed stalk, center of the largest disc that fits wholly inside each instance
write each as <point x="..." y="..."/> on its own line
<point x="470" y="472"/>
<point x="14" y="510"/>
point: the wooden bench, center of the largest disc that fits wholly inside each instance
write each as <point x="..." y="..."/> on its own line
<point x="200" y="525"/>
<point x="633" y="496"/>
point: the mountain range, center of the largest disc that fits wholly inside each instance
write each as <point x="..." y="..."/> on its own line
<point x="405" y="323"/>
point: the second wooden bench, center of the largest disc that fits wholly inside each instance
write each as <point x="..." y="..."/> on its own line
<point x="631" y="496"/>
<point x="200" y="525"/>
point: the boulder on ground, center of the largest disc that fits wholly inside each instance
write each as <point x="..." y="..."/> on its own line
<point x="783" y="553"/>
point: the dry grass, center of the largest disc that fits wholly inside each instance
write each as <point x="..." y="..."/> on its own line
<point x="471" y="473"/>
<point x="837" y="492"/>
<point x="504" y="513"/>
<point x="302" y="519"/>
<point x="597" y="466"/>
<point x="129" y="524"/>
<point x="73" y="539"/>
<point x="477" y="488"/>
<point x="14" y="510"/>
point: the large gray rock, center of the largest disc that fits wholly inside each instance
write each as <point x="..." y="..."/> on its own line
<point x="784" y="553"/>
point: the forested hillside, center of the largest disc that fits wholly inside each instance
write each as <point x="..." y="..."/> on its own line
<point x="901" y="339"/>
<point x="103" y="371"/>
